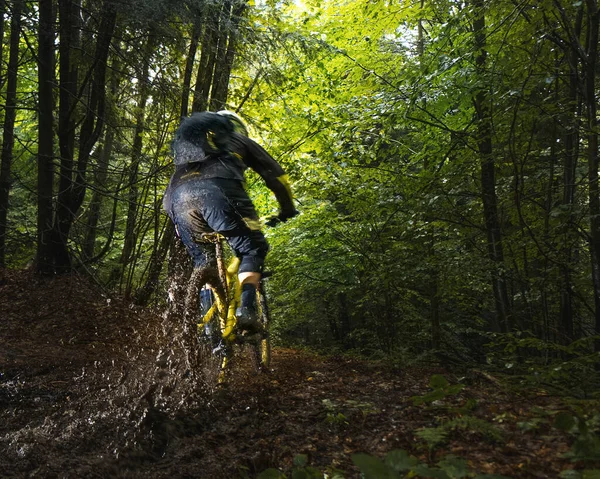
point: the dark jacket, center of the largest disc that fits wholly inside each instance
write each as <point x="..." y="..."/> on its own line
<point x="244" y="153"/>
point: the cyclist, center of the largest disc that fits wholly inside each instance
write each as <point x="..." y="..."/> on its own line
<point x="206" y="193"/>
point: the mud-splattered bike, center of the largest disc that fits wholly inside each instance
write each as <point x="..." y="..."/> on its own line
<point x="213" y="307"/>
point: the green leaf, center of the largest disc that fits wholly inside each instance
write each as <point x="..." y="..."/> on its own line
<point x="271" y="474"/>
<point x="564" y="421"/>
<point x="591" y="474"/>
<point x="587" y="446"/>
<point x="423" y="470"/>
<point x="438" y="381"/>
<point x="373" y="468"/>
<point x="570" y="474"/>
<point x="399" y="460"/>
<point x="314" y="473"/>
<point x="454" y="466"/>
<point x="432" y="435"/>
<point x="300" y="460"/>
<point x="300" y="474"/>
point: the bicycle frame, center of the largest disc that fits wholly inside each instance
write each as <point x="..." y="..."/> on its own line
<point x="227" y="298"/>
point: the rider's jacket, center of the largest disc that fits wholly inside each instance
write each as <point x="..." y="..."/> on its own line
<point x="244" y="153"/>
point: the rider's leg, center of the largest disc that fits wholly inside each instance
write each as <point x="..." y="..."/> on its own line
<point x="190" y="223"/>
<point x="249" y="277"/>
<point x="252" y="250"/>
<point x="229" y="211"/>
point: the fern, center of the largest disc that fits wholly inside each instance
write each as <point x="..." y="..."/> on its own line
<point x="434" y="436"/>
<point x="474" y="424"/>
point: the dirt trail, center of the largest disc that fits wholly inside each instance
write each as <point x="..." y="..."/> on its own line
<point x="82" y="394"/>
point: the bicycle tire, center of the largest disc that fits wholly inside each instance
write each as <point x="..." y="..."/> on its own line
<point x="212" y="351"/>
<point x="209" y="352"/>
<point x="261" y="347"/>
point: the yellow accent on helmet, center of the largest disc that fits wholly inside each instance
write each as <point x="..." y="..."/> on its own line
<point x="239" y="126"/>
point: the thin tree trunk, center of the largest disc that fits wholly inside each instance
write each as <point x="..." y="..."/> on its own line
<point x="208" y="56"/>
<point x="488" y="174"/>
<point x="91" y="128"/>
<point x="96" y="200"/>
<point x="226" y="52"/>
<point x="136" y="155"/>
<point x="2" y="13"/>
<point x="8" y="134"/>
<point x="101" y="172"/>
<point x="143" y="295"/>
<point x="45" y="136"/>
<point x="434" y="299"/>
<point x="571" y="155"/>
<point x="343" y="317"/>
<point x="68" y="83"/>
<point x="592" y="153"/>
<point x="187" y="76"/>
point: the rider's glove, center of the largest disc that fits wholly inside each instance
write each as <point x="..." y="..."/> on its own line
<point x="281" y="217"/>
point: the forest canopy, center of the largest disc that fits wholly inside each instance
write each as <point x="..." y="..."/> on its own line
<point x="443" y="154"/>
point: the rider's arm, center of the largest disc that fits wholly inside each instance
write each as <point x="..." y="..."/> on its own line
<point x="257" y="158"/>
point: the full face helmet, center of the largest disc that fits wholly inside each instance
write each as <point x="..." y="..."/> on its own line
<point x="239" y="126"/>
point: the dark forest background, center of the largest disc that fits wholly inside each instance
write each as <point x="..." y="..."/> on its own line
<point x="444" y="155"/>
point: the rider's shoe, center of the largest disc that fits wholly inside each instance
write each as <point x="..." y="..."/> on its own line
<point x="247" y="319"/>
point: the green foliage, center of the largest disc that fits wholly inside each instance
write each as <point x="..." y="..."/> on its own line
<point x="586" y="474"/>
<point x="441" y="389"/>
<point x="301" y="470"/>
<point x="570" y="368"/>
<point x="439" y="435"/>
<point x="398" y="464"/>
<point x="586" y="446"/>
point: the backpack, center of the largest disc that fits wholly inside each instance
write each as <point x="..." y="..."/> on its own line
<point x="201" y="136"/>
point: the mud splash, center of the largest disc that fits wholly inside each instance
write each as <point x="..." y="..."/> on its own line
<point x="92" y="376"/>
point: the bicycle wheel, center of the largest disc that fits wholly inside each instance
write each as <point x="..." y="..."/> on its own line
<point x="212" y="349"/>
<point x="261" y="345"/>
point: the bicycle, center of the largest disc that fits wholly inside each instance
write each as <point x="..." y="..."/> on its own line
<point x="216" y="334"/>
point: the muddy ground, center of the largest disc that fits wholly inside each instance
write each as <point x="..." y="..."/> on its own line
<point x="91" y="387"/>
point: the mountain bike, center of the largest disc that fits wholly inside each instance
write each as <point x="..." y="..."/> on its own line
<point x="212" y="307"/>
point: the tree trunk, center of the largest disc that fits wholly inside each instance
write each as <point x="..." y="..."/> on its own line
<point x="592" y="153"/>
<point x="136" y="155"/>
<point x="101" y="172"/>
<point x="8" y="135"/>
<point x="571" y="155"/>
<point x="96" y="200"/>
<point x="434" y="299"/>
<point x="2" y="13"/>
<point x="45" y="136"/>
<point x="143" y="295"/>
<point x="187" y="76"/>
<point x="343" y="317"/>
<point x="208" y="56"/>
<point x="68" y="85"/>
<point x="488" y="178"/>
<point x="226" y="52"/>
<point x="73" y="189"/>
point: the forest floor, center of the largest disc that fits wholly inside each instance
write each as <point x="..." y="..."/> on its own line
<point x="85" y="392"/>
